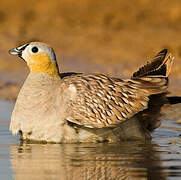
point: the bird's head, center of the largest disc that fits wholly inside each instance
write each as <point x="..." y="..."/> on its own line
<point x="39" y="57"/>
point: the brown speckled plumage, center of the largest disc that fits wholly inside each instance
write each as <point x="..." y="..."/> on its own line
<point x="102" y="101"/>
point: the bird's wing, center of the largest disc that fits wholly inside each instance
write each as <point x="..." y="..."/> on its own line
<point x="98" y="101"/>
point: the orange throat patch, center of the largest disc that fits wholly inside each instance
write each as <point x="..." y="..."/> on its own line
<point x="41" y="63"/>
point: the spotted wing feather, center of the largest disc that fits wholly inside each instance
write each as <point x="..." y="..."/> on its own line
<point x="104" y="102"/>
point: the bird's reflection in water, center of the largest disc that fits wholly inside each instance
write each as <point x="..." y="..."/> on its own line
<point x="96" y="161"/>
<point x="126" y="160"/>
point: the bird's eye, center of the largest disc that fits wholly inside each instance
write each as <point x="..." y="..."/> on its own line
<point x="34" y="49"/>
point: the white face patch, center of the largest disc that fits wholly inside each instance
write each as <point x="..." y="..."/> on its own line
<point x="35" y="48"/>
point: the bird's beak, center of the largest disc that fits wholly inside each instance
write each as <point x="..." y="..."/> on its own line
<point x="18" y="51"/>
<point x="15" y="51"/>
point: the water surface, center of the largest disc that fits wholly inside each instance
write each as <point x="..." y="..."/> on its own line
<point x="157" y="159"/>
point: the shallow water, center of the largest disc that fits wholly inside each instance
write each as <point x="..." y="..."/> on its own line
<point x="157" y="159"/>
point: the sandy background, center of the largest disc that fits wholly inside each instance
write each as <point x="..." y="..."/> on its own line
<point x="114" y="37"/>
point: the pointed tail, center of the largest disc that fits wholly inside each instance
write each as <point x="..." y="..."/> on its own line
<point x="160" y="66"/>
<point x="154" y="75"/>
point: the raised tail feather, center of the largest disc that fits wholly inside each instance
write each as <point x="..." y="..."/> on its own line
<point x="153" y="78"/>
<point x="160" y="66"/>
<point x="154" y="75"/>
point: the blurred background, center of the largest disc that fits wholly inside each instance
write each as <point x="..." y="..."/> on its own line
<point x="114" y="37"/>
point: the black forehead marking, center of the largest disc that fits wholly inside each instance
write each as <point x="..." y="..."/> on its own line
<point x="23" y="48"/>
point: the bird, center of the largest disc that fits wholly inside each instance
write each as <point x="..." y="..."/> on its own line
<point x="54" y="107"/>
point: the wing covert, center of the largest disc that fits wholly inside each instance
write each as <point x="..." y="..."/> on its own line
<point x="104" y="102"/>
